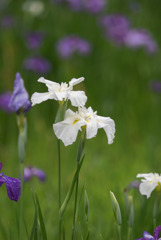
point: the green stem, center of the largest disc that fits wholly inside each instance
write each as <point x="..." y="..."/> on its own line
<point x="21" y="203"/>
<point x="129" y="233"/>
<point x="75" y="208"/>
<point x="79" y="155"/>
<point x="59" y="187"/>
<point x="119" y="232"/>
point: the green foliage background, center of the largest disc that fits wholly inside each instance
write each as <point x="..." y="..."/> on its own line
<point x="117" y="85"/>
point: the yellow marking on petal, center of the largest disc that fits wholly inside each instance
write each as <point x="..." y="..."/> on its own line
<point x="75" y="121"/>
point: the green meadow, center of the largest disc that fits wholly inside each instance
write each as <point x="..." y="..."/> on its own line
<point x="118" y="85"/>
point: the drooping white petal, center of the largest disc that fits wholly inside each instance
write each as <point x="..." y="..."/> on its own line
<point x="75" y="81"/>
<point x="91" y="128"/>
<point x="147" y="187"/>
<point x="109" y="127"/>
<point x="66" y="132"/>
<point x="37" y="98"/>
<point x="77" y="98"/>
<point x="49" y="84"/>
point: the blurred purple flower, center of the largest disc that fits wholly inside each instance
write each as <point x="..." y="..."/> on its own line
<point x="91" y="6"/>
<point x="20" y="98"/>
<point x="148" y="236"/>
<point x="155" y="86"/>
<point x="75" y="5"/>
<point x="136" y="38"/>
<point x="7" y="21"/>
<point x="115" y="27"/>
<point x="13" y="186"/>
<point x="30" y="172"/>
<point x="94" y="6"/>
<point x="39" y="65"/>
<point x="69" y="45"/>
<point x="133" y="184"/>
<point x="34" y="40"/>
<point x="4" y="101"/>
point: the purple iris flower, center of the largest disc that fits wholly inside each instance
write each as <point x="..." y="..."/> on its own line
<point x="148" y="236"/>
<point x="13" y="186"/>
<point x="30" y="171"/>
<point x="20" y="98"/>
<point x="4" y="101"/>
<point x="155" y="86"/>
<point x="115" y="27"/>
<point x="34" y="40"/>
<point x="133" y="184"/>
<point x="136" y="38"/>
<point x="37" y="64"/>
<point x="69" y="45"/>
<point x="94" y="6"/>
<point x="75" y="5"/>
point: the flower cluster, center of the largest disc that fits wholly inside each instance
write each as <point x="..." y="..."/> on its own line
<point x="71" y="44"/>
<point x="67" y="129"/>
<point x="118" y="29"/>
<point x="90" y="6"/>
<point x="37" y="64"/>
<point x="30" y="172"/>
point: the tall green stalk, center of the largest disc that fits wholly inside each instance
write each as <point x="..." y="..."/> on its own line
<point x="59" y="186"/>
<point x="60" y="117"/>
<point x="22" y="125"/>
<point x="79" y="156"/>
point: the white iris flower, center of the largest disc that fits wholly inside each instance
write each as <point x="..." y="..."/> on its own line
<point x="149" y="183"/>
<point x="61" y="92"/>
<point x="67" y="130"/>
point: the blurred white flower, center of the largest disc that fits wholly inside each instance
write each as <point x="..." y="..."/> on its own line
<point x="61" y="92"/>
<point x="35" y="8"/>
<point x="67" y="130"/>
<point x="149" y="183"/>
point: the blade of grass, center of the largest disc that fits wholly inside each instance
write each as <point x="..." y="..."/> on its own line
<point x="34" y="226"/>
<point x="70" y="191"/>
<point x="42" y="225"/>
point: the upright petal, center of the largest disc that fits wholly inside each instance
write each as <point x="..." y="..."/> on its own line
<point x="19" y="98"/>
<point x="13" y="186"/>
<point x="145" y="175"/>
<point x="37" y="98"/>
<point x="1" y="164"/>
<point x="77" y="98"/>
<point x="147" y="187"/>
<point x="75" y="81"/>
<point x="61" y="95"/>
<point x="48" y="83"/>
<point x="108" y="125"/>
<point x="157" y="232"/>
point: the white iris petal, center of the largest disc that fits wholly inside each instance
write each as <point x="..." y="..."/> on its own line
<point x="149" y="183"/>
<point x="67" y="130"/>
<point x="61" y="92"/>
<point x="77" y="98"/>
